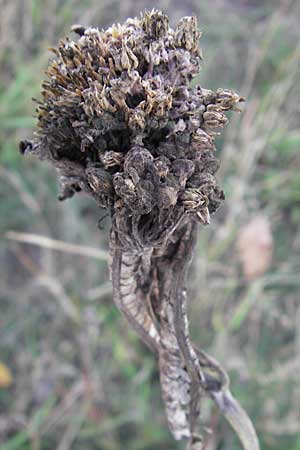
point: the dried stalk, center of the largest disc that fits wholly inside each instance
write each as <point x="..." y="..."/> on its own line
<point x="119" y="121"/>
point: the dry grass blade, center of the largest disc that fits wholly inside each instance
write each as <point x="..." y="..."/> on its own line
<point x="53" y="244"/>
<point x="16" y="182"/>
<point x="99" y="291"/>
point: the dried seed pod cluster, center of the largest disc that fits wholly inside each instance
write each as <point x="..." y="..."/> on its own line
<point x="119" y="120"/>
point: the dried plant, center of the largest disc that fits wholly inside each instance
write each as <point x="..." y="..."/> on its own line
<point x="120" y="121"/>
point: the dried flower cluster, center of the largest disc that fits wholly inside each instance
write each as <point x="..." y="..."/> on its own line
<point x="119" y="108"/>
<point x="120" y="121"/>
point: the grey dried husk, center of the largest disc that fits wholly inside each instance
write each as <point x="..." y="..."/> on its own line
<point x="119" y="120"/>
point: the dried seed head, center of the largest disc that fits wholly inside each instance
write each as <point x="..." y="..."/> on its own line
<point x="187" y="35"/>
<point x="111" y="159"/>
<point x="120" y="121"/>
<point x="193" y="199"/>
<point x="155" y="24"/>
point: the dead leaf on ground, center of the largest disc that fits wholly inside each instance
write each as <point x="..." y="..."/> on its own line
<point x="254" y="246"/>
<point x="5" y="376"/>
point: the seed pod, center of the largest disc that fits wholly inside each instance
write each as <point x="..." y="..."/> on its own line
<point x="186" y="34"/>
<point x="214" y="119"/>
<point x="183" y="169"/>
<point x="200" y="139"/>
<point x="111" y="159"/>
<point x="228" y="99"/>
<point x="155" y="23"/>
<point x="138" y="157"/>
<point x="167" y="197"/>
<point x="162" y="166"/>
<point x="193" y="199"/>
<point x="99" y="180"/>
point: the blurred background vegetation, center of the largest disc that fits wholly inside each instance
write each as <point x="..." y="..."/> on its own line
<point x="72" y="374"/>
